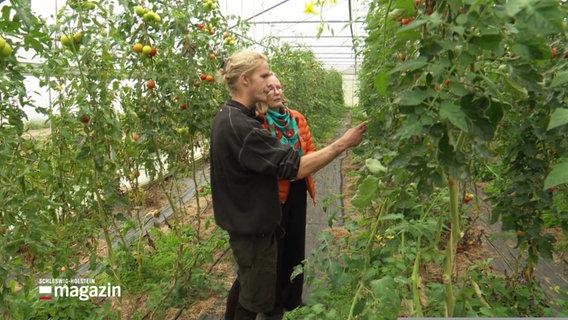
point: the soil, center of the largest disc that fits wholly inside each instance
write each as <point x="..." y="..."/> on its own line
<point x="213" y="306"/>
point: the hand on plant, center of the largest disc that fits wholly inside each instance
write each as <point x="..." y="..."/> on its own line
<point x="353" y="136"/>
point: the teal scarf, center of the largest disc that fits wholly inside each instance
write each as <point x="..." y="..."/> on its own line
<point x="284" y="127"/>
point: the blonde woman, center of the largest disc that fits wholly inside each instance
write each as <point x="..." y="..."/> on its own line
<point x="246" y="161"/>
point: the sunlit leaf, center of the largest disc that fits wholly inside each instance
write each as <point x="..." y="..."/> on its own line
<point x="382" y="82"/>
<point x="560" y="79"/>
<point x="375" y="166"/>
<point x="365" y="192"/>
<point x="454" y="114"/>
<point x="558" y="175"/>
<point x="558" y="118"/>
<point x="410" y="65"/>
<point x="413" y="97"/>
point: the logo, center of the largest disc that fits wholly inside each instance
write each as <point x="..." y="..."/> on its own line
<point x="83" y="289"/>
<point x="44" y="292"/>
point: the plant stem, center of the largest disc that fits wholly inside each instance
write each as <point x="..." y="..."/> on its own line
<point x="381" y="210"/>
<point x="355" y="298"/>
<point x="389" y="6"/>
<point x="416" y="278"/>
<point x="451" y="247"/>
<point x="455" y="235"/>
<point x="195" y="185"/>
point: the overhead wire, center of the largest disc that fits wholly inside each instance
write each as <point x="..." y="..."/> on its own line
<point x="269" y="9"/>
<point x="307" y="20"/>
<point x="352" y="34"/>
<point x="262" y="12"/>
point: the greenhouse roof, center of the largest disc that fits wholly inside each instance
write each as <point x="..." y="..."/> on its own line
<point x="288" y="21"/>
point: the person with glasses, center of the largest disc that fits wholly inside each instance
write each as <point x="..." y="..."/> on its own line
<point x="290" y="128"/>
<point x="245" y="164"/>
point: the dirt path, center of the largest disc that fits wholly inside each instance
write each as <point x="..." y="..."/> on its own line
<point x="328" y="209"/>
<point x="501" y="245"/>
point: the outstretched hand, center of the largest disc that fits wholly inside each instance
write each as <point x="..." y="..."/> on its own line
<point x="314" y="161"/>
<point x="354" y="136"/>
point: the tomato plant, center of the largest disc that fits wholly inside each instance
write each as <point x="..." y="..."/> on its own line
<point x="493" y="63"/>
<point x="450" y="87"/>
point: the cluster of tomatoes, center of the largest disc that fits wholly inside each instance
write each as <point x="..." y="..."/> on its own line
<point x="146" y="50"/>
<point x="555" y="54"/>
<point x="147" y="15"/>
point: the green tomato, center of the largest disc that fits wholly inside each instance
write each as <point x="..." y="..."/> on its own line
<point x="146" y="49"/>
<point x="140" y="10"/>
<point x="5" y="51"/>
<point x="66" y="40"/>
<point x="182" y="131"/>
<point x="2" y="42"/>
<point x="89" y="5"/>
<point x="77" y="37"/>
<point x="396" y="13"/>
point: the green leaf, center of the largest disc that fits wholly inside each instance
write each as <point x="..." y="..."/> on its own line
<point x="560" y="79"/>
<point x="515" y="87"/>
<point x="365" y="192"/>
<point x="382" y="82"/>
<point x="385" y="290"/>
<point x="558" y="118"/>
<point x="392" y="216"/>
<point x="407" y="5"/>
<point x="558" y="175"/>
<point x="410" y="65"/>
<point x="514" y="7"/>
<point x="488" y="42"/>
<point x="413" y="97"/>
<point x="407" y="35"/>
<point x="528" y="52"/>
<point x="454" y="114"/>
<point x="453" y="162"/>
<point x="458" y="89"/>
<point x="538" y="17"/>
<point x="461" y="20"/>
<point x="494" y="113"/>
<point x="413" y="125"/>
<point x="375" y="166"/>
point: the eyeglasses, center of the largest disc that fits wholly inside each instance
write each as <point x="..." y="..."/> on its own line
<point x="270" y="89"/>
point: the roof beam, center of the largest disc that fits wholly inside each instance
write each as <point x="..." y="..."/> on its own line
<point x="303" y="21"/>
<point x="324" y="46"/>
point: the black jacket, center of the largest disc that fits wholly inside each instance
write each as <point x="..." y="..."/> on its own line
<point x="245" y="163"/>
